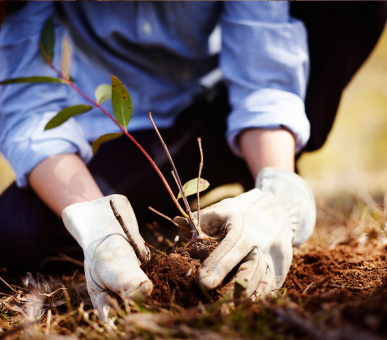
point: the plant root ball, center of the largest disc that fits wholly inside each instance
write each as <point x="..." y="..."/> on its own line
<point x="174" y="275"/>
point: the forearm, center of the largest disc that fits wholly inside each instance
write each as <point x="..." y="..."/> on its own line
<point x="267" y="147"/>
<point x="62" y="180"/>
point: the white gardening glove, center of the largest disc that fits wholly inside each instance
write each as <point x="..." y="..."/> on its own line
<point x="262" y="225"/>
<point x="110" y="261"/>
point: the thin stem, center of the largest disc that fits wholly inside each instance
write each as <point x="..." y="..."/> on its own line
<point x="199" y="175"/>
<point x="124" y="131"/>
<point x="196" y="231"/>
<point x="179" y="185"/>
<point x="170" y="159"/>
<point x="155" y="249"/>
<point x="174" y="173"/>
<point x="164" y="216"/>
<point x="127" y="233"/>
<point x="9" y="286"/>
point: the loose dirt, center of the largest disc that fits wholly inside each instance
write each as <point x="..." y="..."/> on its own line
<point x="338" y="291"/>
<point x="341" y="288"/>
<point x="174" y="275"/>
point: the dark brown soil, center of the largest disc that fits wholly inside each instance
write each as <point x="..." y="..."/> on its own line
<point x="174" y="275"/>
<point x="318" y="277"/>
<point x="338" y="293"/>
<point x="340" y="287"/>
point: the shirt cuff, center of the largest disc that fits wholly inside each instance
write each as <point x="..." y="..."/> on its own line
<point x="24" y="154"/>
<point x="269" y="108"/>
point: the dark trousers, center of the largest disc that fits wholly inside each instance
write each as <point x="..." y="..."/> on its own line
<point x="341" y="36"/>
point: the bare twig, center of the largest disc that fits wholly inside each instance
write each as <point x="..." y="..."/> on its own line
<point x="6" y="283"/>
<point x="155" y="249"/>
<point x="199" y="175"/>
<point x="164" y="146"/>
<point x="316" y="284"/>
<point x="180" y="186"/>
<point x="127" y="233"/>
<point x="167" y="152"/>
<point x="297" y="283"/>
<point x="308" y="287"/>
<point x="64" y="258"/>
<point x="164" y="216"/>
<point x="48" y="322"/>
<point x="334" y="285"/>
<point x="196" y="230"/>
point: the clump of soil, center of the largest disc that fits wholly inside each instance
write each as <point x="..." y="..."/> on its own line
<point x="174" y="275"/>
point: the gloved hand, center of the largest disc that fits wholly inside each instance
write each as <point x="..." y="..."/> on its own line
<point x="110" y="261"/>
<point x="262" y="225"/>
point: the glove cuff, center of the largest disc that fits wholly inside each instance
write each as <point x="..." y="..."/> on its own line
<point x="291" y="190"/>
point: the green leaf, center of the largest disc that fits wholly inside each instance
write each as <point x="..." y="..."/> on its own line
<point x="34" y="79"/>
<point x="122" y="103"/>
<point x="191" y="187"/>
<point x="67" y="113"/>
<point x="47" y="40"/>
<point x="103" y="139"/>
<point x="103" y="93"/>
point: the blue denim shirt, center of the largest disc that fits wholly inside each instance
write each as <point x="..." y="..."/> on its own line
<point x="161" y="51"/>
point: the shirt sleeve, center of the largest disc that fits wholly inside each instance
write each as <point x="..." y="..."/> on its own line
<point x="26" y="108"/>
<point x="265" y="63"/>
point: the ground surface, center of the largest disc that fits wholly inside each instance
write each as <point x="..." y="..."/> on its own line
<point x="342" y="291"/>
<point x="336" y="289"/>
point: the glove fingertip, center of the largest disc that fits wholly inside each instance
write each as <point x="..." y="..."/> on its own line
<point x="140" y="294"/>
<point x="208" y="279"/>
<point x="145" y="290"/>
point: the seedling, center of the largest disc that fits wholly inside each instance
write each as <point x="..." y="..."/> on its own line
<point x="122" y="114"/>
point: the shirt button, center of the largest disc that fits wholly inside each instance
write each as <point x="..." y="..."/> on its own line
<point x="147" y="28"/>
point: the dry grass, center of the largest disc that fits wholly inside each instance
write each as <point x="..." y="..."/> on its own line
<point x="43" y="308"/>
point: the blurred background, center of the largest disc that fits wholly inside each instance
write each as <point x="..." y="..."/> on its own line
<point x="6" y="174"/>
<point x="354" y="159"/>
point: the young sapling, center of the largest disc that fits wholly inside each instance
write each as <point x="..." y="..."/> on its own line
<point x="122" y="113"/>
